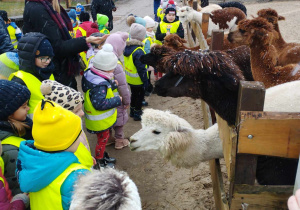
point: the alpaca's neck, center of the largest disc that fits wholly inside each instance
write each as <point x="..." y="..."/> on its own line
<point x="197" y="17"/>
<point x="263" y="61"/>
<point x="278" y="43"/>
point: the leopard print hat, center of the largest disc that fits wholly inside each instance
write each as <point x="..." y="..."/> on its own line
<point x="63" y="95"/>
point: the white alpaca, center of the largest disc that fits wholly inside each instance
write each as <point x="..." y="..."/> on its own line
<point x="225" y="19"/>
<point x="210" y="8"/>
<point x="177" y="141"/>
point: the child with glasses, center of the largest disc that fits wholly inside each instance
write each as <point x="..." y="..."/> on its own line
<point x="35" y="58"/>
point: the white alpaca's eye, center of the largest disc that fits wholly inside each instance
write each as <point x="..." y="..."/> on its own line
<point x="156" y="132"/>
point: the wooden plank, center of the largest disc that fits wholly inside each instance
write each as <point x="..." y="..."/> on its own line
<point x="251" y="98"/>
<point x="204" y="26"/>
<point x="260" y="197"/>
<point x="68" y="3"/>
<point x="218" y="187"/>
<point x="217" y="40"/>
<point x="259" y="131"/>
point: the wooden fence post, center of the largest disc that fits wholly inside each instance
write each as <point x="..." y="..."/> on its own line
<point x="205" y="20"/>
<point x="68" y="3"/>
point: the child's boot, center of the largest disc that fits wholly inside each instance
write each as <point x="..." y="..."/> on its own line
<point x="109" y="159"/>
<point x="144" y="103"/>
<point x="121" y="143"/>
<point x="137" y="115"/>
<point x="131" y="112"/>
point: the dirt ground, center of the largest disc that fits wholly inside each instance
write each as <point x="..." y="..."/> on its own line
<point x="162" y="186"/>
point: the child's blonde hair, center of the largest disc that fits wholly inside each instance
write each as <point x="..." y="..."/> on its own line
<point x="18" y="127"/>
<point x="56" y="6"/>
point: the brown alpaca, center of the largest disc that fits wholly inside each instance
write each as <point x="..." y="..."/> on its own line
<point x="258" y="34"/>
<point x="288" y="52"/>
<point x="177" y="43"/>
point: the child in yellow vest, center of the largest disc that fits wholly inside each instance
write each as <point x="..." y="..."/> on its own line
<point x="72" y="16"/>
<point x="170" y="24"/>
<point x="35" y="58"/>
<point x="100" y="103"/>
<point x="15" y="126"/>
<point x="102" y="21"/>
<point x="71" y="100"/>
<point x="47" y="168"/>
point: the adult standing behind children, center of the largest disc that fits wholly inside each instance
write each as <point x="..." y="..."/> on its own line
<point x="47" y="168"/>
<point x="100" y="103"/>
<point x="50" y="19"/>
<point x="105" y="7"/>
<point x="135" y="70"/>
<point x="35" y="58"/>
<point x="170" y="24"/>
<point x="118" y="41"/>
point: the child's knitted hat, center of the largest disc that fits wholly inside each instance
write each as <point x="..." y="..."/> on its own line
<point x="72" y="14"/>
<point x="135" y="19"/>
<point x="54" y="128"/>
<point x="118" y="41"/>
<point x="79" y="6"/>
<point x="44" y="49"/>
<point x="13" y="96"/>
<point x="105" y="59"/>
<point x="63" y="95"/>
<point x="171" y="8"/>
<point x="137" y="31"/>
<point x="102" y="19"/>
<point x="9" y="63"/>
<point x="149" y="22"/>
<point x="3" y="14"/>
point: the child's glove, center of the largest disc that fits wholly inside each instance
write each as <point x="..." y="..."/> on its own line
<point x="23" y="197"/>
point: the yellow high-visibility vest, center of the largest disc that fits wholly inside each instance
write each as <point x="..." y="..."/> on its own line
<point x="12" y="33"/>
<point x="84" y="156"/>
<point x="33" y="84"/>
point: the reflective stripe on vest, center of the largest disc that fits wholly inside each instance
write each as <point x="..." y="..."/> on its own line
<point x="75" y="30"/>
<point x="104" y="31"/>
<point x="83" y="32"/>
<point x="84" y="156"/>
<point x="96" y="120"/>
<point x="13" y="140"/>
<point x="172" y="26"/>
<point x="33" y="84"/>
<point x="132" y="76"/>
<point x="83" y="56"/>
<point x="2" y="167"/>
<point x="12" y="34"/>
<point x="49" y="198"/>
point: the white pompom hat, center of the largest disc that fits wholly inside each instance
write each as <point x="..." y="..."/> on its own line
<point x="105" y="59"/>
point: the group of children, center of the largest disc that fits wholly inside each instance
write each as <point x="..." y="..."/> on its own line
<point x="41" y="127"/>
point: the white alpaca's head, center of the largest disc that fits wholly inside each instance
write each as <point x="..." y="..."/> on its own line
<point x="161" y="131"/>
<point x="185" y="14"/>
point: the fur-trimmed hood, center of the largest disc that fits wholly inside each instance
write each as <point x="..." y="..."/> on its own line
<point x="131" y="45"/>
<point x="134" y="42"/>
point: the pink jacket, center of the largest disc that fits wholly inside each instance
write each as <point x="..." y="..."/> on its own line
<point x="123" y="90"/>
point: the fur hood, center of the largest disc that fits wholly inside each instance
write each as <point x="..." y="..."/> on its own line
<point x="134" y="42"/>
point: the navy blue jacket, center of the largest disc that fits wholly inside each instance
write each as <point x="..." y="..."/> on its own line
<point x="5" y="42"/>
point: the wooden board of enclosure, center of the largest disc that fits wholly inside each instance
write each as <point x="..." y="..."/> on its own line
<point x="270" y="133"/>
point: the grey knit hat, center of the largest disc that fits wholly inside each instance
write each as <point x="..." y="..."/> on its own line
<point x="137" y="31"/>
<point x="13" y="96"/>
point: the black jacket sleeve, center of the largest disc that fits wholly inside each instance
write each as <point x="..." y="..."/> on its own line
<point x="39" y="20"/>
<point x="180" y="31"/>
<point x="94" y="9"/>
<point x="141" y="68"/>
<point x="158" y="35"/>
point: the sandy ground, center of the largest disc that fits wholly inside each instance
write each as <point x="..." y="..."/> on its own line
<point x="162" y="186"/>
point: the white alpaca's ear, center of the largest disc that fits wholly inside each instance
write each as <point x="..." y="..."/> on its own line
<point x="176" y="141"/>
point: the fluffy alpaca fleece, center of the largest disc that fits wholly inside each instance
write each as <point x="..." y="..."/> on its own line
<point x="258" y="34"/>
<point x="176" y="139"/>
<point x="287" y="52"/>
<point x="107" y="189"/>
<point x="225" y="19"/>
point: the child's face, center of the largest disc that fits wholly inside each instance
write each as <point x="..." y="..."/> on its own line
<point x="21" y="113"/>
<point x="170" y="17"/>
<point x="149" y="29"/>
<point x="42" y="61"/>
<point x="78" y="110"/>
<point x="106" y="24"/>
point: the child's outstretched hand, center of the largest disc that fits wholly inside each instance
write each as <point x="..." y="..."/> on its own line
<point x="96" y="40"/>
<point x="120" y="98"/>
<point x="294" y="201"/>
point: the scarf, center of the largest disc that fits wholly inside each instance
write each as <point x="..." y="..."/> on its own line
<point x="45" y="73"/>
<point x="102" y="74"/>
<point x="62" y="20"/>
<point x="150" y="34"/>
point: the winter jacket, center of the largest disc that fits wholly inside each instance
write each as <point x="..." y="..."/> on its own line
<point x="122" y="116"/>
<point x="89" y="27"/>
<point x="10" y="154"/>
<point x="103" y="7"/>
<point x="5" y="42"/>
<point x="37" y="169"/>
<point x="5" y="197"/>
<point x="131" y="45"/>
<point x="160" y="36"/>
<point x="37" y="19"/>
<point x="27" y="48"/>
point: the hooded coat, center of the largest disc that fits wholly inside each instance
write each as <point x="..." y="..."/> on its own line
<point x="37" y="169"/>
<point x="89" y="27"/>
<point x="37" y="19"/>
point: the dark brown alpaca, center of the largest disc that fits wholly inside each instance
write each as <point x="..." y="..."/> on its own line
<point x="258" y="34"/>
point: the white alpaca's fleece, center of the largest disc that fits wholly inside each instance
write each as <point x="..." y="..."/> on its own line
<point x="105" y="189"/>
<point x="176" y="139"/>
